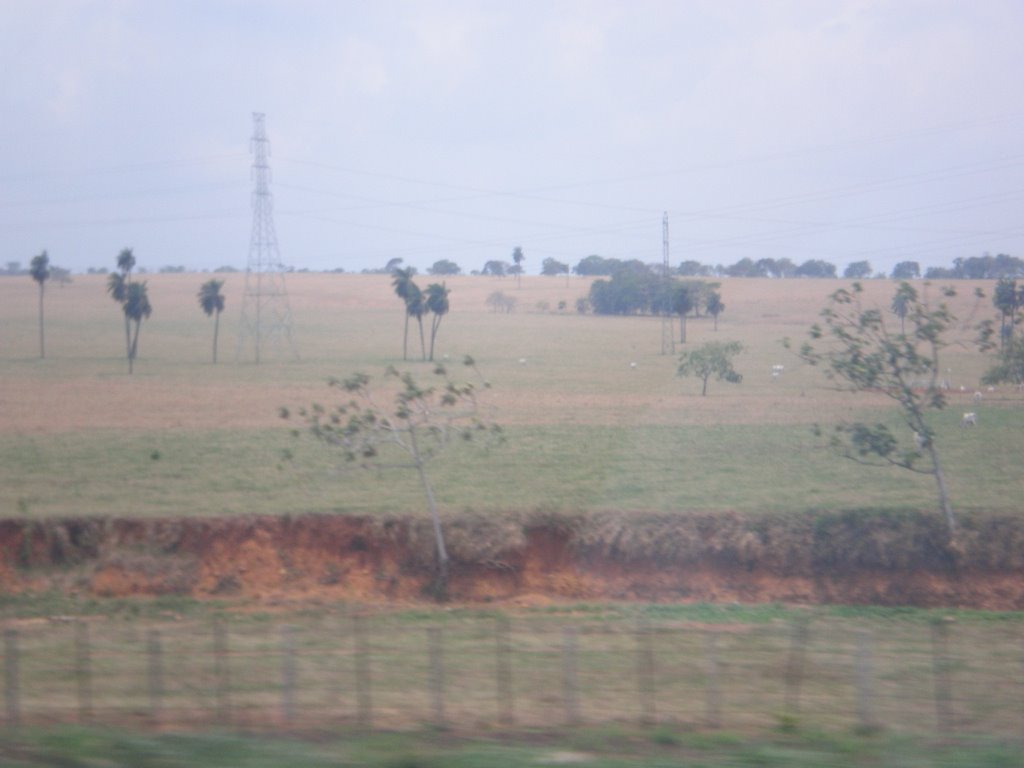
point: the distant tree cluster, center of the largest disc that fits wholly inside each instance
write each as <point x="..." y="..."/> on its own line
<point x="973" y="268"/>
<point x="636" y="289"/>
<point x="979" y="268"/>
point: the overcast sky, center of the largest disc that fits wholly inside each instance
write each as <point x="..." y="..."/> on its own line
<point x="842" y="130"/>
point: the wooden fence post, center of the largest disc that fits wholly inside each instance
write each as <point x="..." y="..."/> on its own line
<point x="570" y="686"/>
<point x="288" y="673"/>
<point x="155" y="674"/>
<point x="11" y="677"/>
<point x="503" y="669"/>
<point x="795" y="665"/>
<point x="713" y="688"/>
<point x="221" y="671"/>
<point x="435" y="645"/>
<point x="645" y="672"/>
<point x="361" y="660"/>
<point x="83" y="671"/>
<point x="865" y="682"/>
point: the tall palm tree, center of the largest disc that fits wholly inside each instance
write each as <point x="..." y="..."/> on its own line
<point x="125" y="265"/>
<point x="403" y="284"/>
<point x="212" y="302"/>
<point x="415" y="306"/>
<point x="40" y="271"/>
<point x="136" y="309"/>
<point x="518" y="258"/>
<point x="436" y="303"/>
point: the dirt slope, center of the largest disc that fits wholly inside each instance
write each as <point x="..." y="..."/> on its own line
<point x="848" y="558"/>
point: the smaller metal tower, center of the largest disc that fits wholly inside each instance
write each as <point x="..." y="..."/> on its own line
<point x="668" y="338"/>
<point x="266" y="314"/>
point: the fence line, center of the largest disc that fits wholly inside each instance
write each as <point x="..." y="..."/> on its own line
<point x="379" y="671"/>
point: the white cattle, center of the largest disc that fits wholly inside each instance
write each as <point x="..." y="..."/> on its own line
<point x="969" y="419"/>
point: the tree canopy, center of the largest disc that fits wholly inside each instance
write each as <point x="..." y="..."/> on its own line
<point x="713" y="359"/>
<point x="860" y="352"/>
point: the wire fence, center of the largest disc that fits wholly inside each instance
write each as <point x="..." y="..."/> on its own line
<point x="381" y="671"/>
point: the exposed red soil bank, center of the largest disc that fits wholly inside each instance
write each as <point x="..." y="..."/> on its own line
<point x="852" y="558"/>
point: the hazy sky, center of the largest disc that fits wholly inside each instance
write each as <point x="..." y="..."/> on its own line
<point x="843" y="130"/>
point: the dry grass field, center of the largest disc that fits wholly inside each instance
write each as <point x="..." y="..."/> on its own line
<point x="587" y="430"/>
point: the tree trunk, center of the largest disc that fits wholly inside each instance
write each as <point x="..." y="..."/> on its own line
<point x="216" y="329"/>
<point x="127" y="337"/>
<point x="704" y="389"/>
<point x="423" y="343"/>
<point x="42" y="338"/>
<point x="682" y="327"/>
<point x="133" y="347"/>
<point x="405" y="339"/>
<point x="439" y="586"/>
<point x="940" y="482"/>
<point x="433" y="333"/>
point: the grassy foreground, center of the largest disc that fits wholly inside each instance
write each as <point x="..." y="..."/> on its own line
<point x="588" y="430"/>
<point x="614" y="747"/>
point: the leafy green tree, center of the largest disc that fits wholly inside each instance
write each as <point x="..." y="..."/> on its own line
<point x="553" y="267"/>
<point x="714" y="306"/>
<point x="906" y="270"/>
<point x="1009" y="365"/>
<point x="445" y="267"/>
<point x="39" y="268"/>
<point x="816" y="268"/>
<point x="1007" y="299"/>
<point x="495" y="268"/>
<point x="211" y="300"/>
<point x="713" y="359"/>
<point x="684" y="301"/>
<point x="858" y="351"/>
<point x="437" y="305"/>
<point x="858" y="270"/>
<point x="518" y="258"/>
<point x="402" y="282"/>
<point x="136" y="309"/>
<point x="410" y="433"/>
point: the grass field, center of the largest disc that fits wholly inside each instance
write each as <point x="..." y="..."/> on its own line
<point x="586" y="430"/>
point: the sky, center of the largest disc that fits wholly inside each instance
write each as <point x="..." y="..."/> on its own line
<point x="843" y="130"/>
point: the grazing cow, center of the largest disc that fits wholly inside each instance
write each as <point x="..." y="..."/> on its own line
<point x="969" y="419"/>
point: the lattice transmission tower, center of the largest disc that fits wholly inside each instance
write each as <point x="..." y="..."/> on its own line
<point x="266" y="314"/>
<point x="668" y="337"/>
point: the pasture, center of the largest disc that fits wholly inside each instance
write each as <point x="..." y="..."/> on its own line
<point x="586" y="430"/>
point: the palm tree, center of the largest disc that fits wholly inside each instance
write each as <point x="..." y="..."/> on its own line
<point x="900" y="305"/>
<point x="403" y="284"/>
<point x="415" y="306"/>
<point x="40" y="271"/>
<point x="136" y="309"/>
<point x="212" y="302"/>
<point x="125" y="264"/>
<point x="518" y="258"/>
<point x="436" y="303"/>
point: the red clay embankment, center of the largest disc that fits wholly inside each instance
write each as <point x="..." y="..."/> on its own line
<point x="848" y="557"/>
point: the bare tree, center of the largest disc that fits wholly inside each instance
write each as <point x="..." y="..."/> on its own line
<point x="414" y="429"/>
